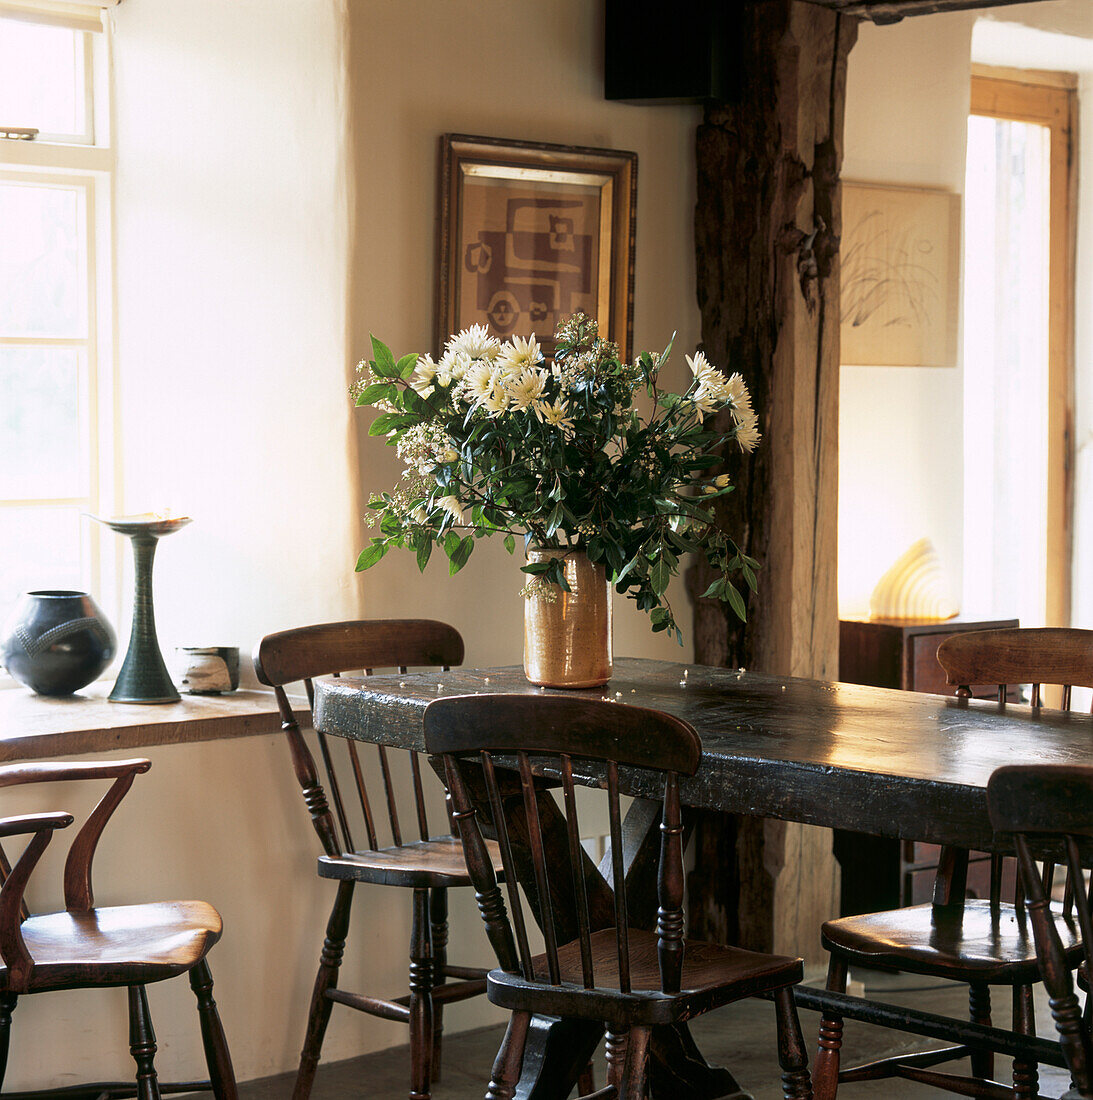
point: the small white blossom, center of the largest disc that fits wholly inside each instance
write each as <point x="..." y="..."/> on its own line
<point x="451" y="505"/>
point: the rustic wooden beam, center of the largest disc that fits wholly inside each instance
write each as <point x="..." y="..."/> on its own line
<point x="767" y="226"/>
<point x="892" y="11"/>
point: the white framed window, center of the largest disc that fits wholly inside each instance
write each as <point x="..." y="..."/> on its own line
<point x="56" y="315"/>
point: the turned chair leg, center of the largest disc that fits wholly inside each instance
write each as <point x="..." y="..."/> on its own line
<point x="826" y="1078"/>
<point x="615" y="1043"/>
<point x="792" y="1056"/>
<point x="636" y="1063"/>
<point x="1026" y="1077"/>
<point x="217" y="1057"/>
<point x="510" y="1058"/>
<point x="979" y="1012"/>
<point x="421" y="999"/>
<point x="142" y="1043"/>
<point x="438" y="920"/>
<point x="7" y="1007"/>
<point x="318" y="1015"/>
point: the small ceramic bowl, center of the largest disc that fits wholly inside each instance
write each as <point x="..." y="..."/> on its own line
<point x="208" y="670"/>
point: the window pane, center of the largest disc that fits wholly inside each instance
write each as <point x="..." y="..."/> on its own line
<point x="41" y="435"/>
<point x="1006" y="326"/>
<point x="42" y="549"/>
<point x="41" y="79"/>
<point x="43" y="260"/>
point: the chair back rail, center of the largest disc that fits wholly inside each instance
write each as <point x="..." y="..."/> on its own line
<point x="1036" y="656"/>
<point x="550" y="739"/>
<point x="1060" y="656"/>
<point x="1036" y="804"/>
<point x="301" y="654"/>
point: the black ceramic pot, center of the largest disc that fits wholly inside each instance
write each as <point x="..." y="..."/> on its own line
<point x="56" y="642"/>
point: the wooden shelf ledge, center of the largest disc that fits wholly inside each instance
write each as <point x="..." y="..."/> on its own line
<point x="33" y="727"/>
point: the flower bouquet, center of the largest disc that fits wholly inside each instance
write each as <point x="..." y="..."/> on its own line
<point x="585" y="453"/>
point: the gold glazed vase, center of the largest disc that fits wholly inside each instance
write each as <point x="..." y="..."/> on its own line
<point x="567" y="641"/>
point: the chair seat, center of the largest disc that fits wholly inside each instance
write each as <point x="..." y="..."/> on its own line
<point x="713" y="975"/>
<point x="119" y="945"/>
<point x="972" y="943"/>
<point x="421" y="863"/>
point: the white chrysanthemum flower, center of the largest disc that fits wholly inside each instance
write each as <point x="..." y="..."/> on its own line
<point x="699" y="364"/>
<point x="424" y="373"/>
<point x="705" y="403"/>
<point x="419" y="515"/>
<point x="478" y="382"/>
<point x="747" y="431"/>
<point x="519" y="356"/>
<point x="737" y="392"/>
<point x="526" y="388"/>
<point x="451" y="505"/>
<point x="474" y="342"/>
<point x="554" y="414"/>
<point x="496" y="401"/>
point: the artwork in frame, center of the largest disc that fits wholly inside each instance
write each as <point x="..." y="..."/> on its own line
<point x="531" y="233"/>
<point x="900" y="276"/>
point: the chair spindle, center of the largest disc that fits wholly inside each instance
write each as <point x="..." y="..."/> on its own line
<point x="504" y="842"/>
<point x="335" y="792"/>
<point x="538" y="859"/>
<point x="576" y="865"/>
<point x="670" y="890"/>
<point x="362" y="795"/>
<point x="419" y="797"/>
<point x="618" y="872"/>
<point x="389" y="789"/>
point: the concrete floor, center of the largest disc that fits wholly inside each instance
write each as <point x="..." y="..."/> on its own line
<point x="740" y="1036"/>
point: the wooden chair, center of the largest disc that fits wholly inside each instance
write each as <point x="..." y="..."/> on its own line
<point x="631" y="980"/>
<point x="87" y="946"/>
<point x="981" y="942"/>
<point x="428" y="866"/>
<point x="1034" y="805"/>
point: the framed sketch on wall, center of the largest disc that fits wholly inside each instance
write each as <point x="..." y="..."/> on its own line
<point x="530" y="233"/>
<point x="900" y="276"/>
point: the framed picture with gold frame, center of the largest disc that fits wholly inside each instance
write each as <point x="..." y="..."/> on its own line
<point x="531" y="233"/>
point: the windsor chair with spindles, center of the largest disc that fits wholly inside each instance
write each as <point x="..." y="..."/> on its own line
<point x="595" y="966"/>
<point x="428" y="866"/>
<point x="1035" y="805"/>
<point x="983" y="942"/>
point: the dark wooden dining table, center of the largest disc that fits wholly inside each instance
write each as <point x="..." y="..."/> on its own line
<point x="890" y="763"/>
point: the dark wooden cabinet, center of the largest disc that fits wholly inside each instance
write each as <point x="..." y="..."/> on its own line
<point x="877" y="872"/>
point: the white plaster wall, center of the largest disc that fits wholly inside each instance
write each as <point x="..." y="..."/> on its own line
<point x="521" y="71"/>
<point x="901" y="428"/>
<point x="231" y="259"/>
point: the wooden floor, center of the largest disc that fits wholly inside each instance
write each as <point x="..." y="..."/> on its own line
<point x="740" y="1036"/>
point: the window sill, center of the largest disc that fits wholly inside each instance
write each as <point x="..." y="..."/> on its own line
<point x="34" y="727"/>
